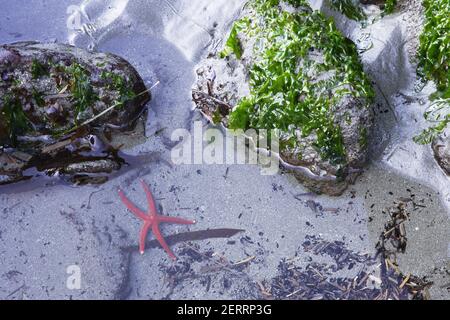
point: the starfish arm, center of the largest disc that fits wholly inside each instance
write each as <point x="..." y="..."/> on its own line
<point x="159" y="237"/>
<point x="151" y="202"/>
<point x="165" y="219"/>
<point x="138" y="213"/>
<point x="143" y="236"/>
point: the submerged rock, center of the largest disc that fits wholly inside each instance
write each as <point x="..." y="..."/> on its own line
<point x="60" y="104"/>
<point x="288" y="68"/>
<point x="441" y="149"/>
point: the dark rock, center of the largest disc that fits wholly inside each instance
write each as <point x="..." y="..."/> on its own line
<point x="53" y="97"/>
<point x="441" y="149"/>
<point x="222" y="83"/>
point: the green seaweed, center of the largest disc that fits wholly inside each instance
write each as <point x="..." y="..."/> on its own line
<point x="363" y="137"/>
<point x="283" y="95"/>
<point x="434" y="52"/>
<point x="38" y="98"/>
<point x="352" y="10"/>
<point x="434" y="60"/>
<point x="16" y="120"/>
<point x="217" y="117"/>
<point x="440" y="115"/>
<point x="38" y="69"/>
<point x="119" y="84"/>
<point x="349" y="8"/>
<point x="233" y="44"/>
<point x="389" y="6"/>
<point x="16" y="82"/>
<point x="81" y="87"/>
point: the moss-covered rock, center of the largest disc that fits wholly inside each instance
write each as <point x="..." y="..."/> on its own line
<point x="288" y="68"/>
<point x="54" y="95"/>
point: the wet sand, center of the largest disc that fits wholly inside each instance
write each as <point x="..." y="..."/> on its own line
<point x="45" y="229"/>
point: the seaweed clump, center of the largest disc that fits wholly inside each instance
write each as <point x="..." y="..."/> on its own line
<point x="349" y="8"/>
<point x="352" y="10"/>
<point x="83" y="93"/>
<point x="389" y="6"/>
<point x="15" y="119"/>
<point x="434" y="63"/>
<point x="286" y="93"/>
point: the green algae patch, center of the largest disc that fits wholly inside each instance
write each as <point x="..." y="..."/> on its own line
<point x="233" y="44"/>
<point x="352" y="9"/>
<point x="38" y="69"/>
<point x="349" y="8"/>
<point x="83" y="92"/>
<point x="389" y="6"/>
<point x="303" y="70"/>
<point x="120" y="84"/>
<point x="434" y="63"/>
<point x="48" y="89"/>
<point x="434" y="50"/>
<point x="14" y="117"/>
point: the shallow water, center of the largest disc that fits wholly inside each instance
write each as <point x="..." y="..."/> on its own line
<point x="165" y="40"/>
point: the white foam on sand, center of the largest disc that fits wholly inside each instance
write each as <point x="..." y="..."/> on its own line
<point x="189" y="25"/>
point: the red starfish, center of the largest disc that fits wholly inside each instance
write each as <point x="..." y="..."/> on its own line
<point x="151" y="220"/>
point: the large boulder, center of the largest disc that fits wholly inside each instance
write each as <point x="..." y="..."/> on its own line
<point x="54" y="98"/>
<point x="288" y="68"/>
